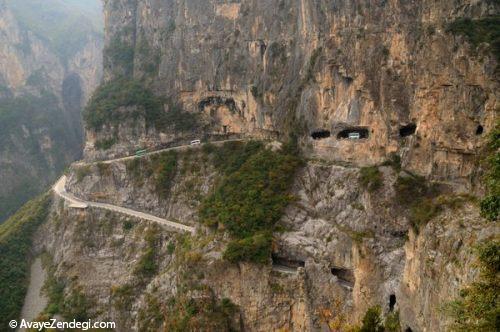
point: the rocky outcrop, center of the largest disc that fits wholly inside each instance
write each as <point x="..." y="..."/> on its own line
<point x="358" y="83"/>
<point x="123" y="183"/>
<point x="268" y="68"/>
<point x="42" y="95"/>
<point x="346" y="249"/>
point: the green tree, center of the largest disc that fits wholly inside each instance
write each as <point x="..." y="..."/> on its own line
<point x="477" y="309"/>
<point x="372" y="321"/>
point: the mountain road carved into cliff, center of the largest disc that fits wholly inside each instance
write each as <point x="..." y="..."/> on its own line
<point x="74" y="202"/>
<point x="78" y="203"/>
<point x="175" y="148"/>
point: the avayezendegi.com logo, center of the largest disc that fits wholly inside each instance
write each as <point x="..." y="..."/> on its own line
<point x="55" y="324"/>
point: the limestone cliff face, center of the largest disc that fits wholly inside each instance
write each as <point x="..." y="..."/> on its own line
<point x="386" y="70"/>
<point x="355" y="249"/>
<point x="266" y="68"/>
<point x="41" y="97"/>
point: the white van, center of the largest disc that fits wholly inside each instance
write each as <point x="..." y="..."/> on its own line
<point x="196" y="142"/>
<point x="354" y="135"/>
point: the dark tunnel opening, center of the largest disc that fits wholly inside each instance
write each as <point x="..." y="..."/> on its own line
<point x="287" y="262"/>
<point x="354" y="133"/>
<point x="392" y="302"/>
<point x="407" y="130"/>
<point x="344" y="276"/>
<point x="408" y="329"/>
<point x="479" y="130"/>
<point x="218" y="101"/>
<point x="320" y="134"/>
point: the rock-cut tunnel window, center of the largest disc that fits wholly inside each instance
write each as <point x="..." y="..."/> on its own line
<point x="392" y="302"/>
<point x="354" y="133"/>
<point x="479" y="130"/>
<point x="345" y="276"/>
<point x="320" y="134"/>
<point x="407" y="130"/>
<point x="288" y="262"/>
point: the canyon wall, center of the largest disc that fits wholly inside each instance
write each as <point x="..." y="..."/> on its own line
<point x="388" y="70"/>
<point x="379" y="83"/>
<point x="342" y="250"/>
<point x="42" y="91"/>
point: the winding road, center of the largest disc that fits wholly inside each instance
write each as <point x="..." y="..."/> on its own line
<point x="175" y="148"/>
<point x="78" y="203"/>
<point x="74" y="202"/>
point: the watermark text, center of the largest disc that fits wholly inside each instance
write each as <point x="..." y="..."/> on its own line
<point x="55" y="324"/>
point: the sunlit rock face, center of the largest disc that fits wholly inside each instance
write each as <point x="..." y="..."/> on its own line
<point x="332" y="65"/>
<point x="355" y="81"/>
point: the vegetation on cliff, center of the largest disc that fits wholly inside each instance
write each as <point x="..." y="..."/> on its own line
<point x="478" y="306"/>
<point x="120" y="53"/>
<point x="202" y="313"/>
<point x="374" y="322"/>
<point x="477" y="31"/>
<point x="64" y="298"/>
<point x="15" y="243"/>
<point x="490" y="205"/>
<point x="250" y="200"/>
<point x="104" y="108"/>
<point x="371" y="178"/>
<point x="147" y="265"/>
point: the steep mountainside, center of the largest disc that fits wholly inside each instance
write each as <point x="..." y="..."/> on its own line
<point x="356" y="190"/>
<point x="46" y="76"/>
<point x="394" y="72"/>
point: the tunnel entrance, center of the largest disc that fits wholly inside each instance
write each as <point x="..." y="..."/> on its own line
<point x="320" y="134"/>
<point x="222" y="115"/>
<point x="392" y="302"/>
<point x="407" y="130"/>
<point x="218" y="101"/>
<point x="479" y="130"/>
<point x="353" y="133"/>
<point x="344" y="276"/>
<point x="287" y="262"/>
<point x="408" y="330"/>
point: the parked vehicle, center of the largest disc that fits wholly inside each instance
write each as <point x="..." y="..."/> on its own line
<point x="196" y="142"/>
<point x="354" y="135"/>
<point x="140" y="153"/>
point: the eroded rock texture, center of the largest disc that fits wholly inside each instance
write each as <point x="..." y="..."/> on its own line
<point x="343" y="251"/>
<point x="355" y="81"/>
<point x="268" y="68"/>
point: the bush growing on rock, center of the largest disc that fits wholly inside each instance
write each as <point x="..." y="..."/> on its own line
<point x="490" y="205"/>
<point x="104" y="108"/>
<point x="250" y="199"/>
<point x="478" y="307"/>
<point x="371" y="178"/>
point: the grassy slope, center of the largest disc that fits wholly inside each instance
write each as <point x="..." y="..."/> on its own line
<point x="15" y="245"/>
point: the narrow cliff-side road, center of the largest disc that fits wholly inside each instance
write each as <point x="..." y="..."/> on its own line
<point x="175" y="148"/>
<point x="75" y="202"/>
<point x="59" y="189"/>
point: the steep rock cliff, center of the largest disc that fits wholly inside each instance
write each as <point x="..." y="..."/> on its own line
<point x="343" y="249"/>
<point x="354" y="237"/>
<point x="390" y="71"/>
